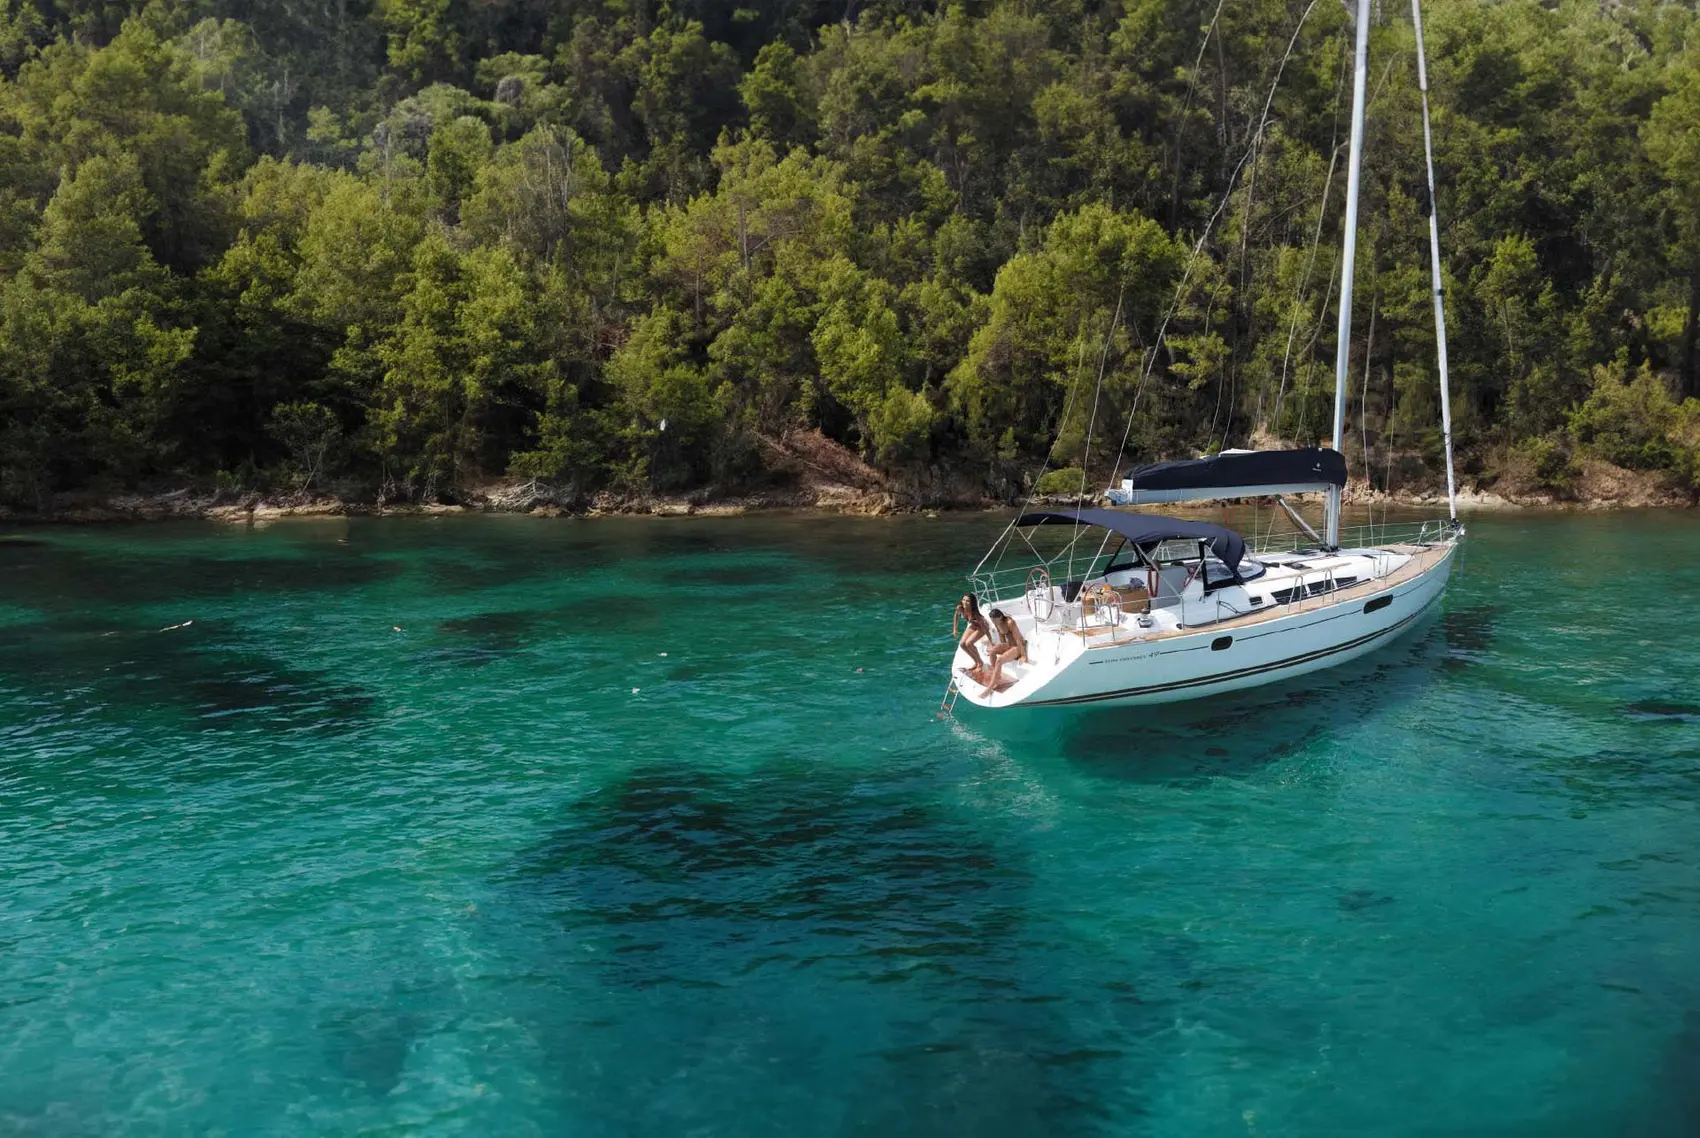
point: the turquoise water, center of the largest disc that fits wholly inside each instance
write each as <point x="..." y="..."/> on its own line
<point x="646" y="827"/>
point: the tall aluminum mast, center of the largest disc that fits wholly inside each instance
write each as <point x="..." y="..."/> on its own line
<point x="1343" y="349"/>
<point x="1434" y="268"/>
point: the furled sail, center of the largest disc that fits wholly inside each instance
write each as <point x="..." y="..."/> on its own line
<point x="1233" y="474"/>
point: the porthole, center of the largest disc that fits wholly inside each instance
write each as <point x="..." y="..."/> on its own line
<point x="1220" y="643"/>
<point x="1378" y="603"/>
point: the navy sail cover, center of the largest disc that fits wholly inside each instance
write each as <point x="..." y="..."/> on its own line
<point x="1318" y="465"/>
<point x="1147" y="530"/>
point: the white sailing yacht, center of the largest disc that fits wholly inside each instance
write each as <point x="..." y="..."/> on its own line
<point x="1135" y="608"/>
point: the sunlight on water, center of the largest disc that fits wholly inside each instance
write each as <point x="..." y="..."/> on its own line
<point x="642" y="827"/>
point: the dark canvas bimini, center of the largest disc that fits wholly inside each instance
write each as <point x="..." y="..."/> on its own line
<point x="1147" y="530"/>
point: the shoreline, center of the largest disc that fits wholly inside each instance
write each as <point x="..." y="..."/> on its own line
<point x="527" y="500"/>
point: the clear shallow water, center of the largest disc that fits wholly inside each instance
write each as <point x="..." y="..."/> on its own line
<point x="385" y="841"/>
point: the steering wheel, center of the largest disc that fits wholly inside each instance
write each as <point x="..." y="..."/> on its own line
<point x="1041" y="602"/>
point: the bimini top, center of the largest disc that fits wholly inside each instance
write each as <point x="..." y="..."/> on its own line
<point x="1147" y="530"/>
<point x="1234" y="474"/>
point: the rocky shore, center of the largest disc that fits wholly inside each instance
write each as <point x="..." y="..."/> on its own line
<point x="821" y="482"/>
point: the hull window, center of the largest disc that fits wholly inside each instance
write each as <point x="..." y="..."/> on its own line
<point x="1220" y="643"/>
<point x="1377" y="604"/>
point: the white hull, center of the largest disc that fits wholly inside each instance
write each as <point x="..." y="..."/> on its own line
<point x="1224" y="656"/>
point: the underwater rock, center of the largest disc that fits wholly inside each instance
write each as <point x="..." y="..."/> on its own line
<point x="1354" y="900"/>
<point x="370" y="1045"/>
<point x="1662" y="709"/>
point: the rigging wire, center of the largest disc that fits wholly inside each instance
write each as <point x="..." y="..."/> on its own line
<point x="1186" y="276"/>
<point x="1186" y="105"/>
<point x="1369" y="357"/>
<point x="1044" y="467"/>
<point x="1322" y="316"/>
<point x="1198" y="246"/>
<point x="1304" y="282"/>
<point x="1316" y="239"/>
<point x="1392" y="425"/>
<point x="1092" y="423"/>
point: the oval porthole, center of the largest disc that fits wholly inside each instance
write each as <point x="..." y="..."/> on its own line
<point x="1220" y="643"/>
<point x="1378" y="603"/>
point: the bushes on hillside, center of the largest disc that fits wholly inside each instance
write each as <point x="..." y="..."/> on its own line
<point x="1633" y="421"/>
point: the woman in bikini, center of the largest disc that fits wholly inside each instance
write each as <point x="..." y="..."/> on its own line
<point x="1011" y="646"/>
<point x="968" y="611"/>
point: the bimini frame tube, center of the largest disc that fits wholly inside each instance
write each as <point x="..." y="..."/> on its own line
<point x="1343" y="343"/>
<point x="1434" y="268"/>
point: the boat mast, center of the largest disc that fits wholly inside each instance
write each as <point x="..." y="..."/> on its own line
<point x="1343" y="343"/>
<point x="1434" y="268"/>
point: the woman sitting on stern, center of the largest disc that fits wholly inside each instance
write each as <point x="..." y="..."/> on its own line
<point x="1012" y="646"/>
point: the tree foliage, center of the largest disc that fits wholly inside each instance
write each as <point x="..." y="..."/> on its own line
<point x="409" y="247"/>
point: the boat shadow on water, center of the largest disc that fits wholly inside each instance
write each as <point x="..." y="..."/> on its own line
<point x="1242" y="732"/>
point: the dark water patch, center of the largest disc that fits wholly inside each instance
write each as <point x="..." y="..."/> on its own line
<point x="735" y="576"/>
<point x="667" y="823"/>
<point x="1663" y="709"/>
<point x="1470" y="630"/>
<point x="1186" y="744"/>
<point x="463" y="576"/>
<point x="369" y="1045"/>
<point x="277" y="696"/>
<point x="487" y="637"/>
<point x="1105" y="752"/>
<point x="64" y="577"/>
<point x="465" y="657"/>
<point x="132" y="673"/>
<point x="498" y="629"/>
<point x="683" y="540"/>
<point x="1672" y="1109"/>
<point x="1357" y="900"/>
<point x="637" y="612"/>
<point x="1623" y="775"/>
<point x="733" y="924"/>
<point x="681" y="673"/>
<point x="10" y="543"/>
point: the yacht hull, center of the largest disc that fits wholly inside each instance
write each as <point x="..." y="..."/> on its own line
<point x="1231" y="656"/>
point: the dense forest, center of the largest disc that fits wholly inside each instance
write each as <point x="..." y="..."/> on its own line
<point x="408" y="248"/>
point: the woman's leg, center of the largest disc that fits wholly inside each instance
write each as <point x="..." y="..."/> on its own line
<point x="998" y="659"/>
<point x="968" y="641"/>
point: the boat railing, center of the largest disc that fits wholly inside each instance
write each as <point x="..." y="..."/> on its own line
<point x="1011" y="588"/>
<point x="1356" y="537"/>
<point x="1090" y="615"/>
